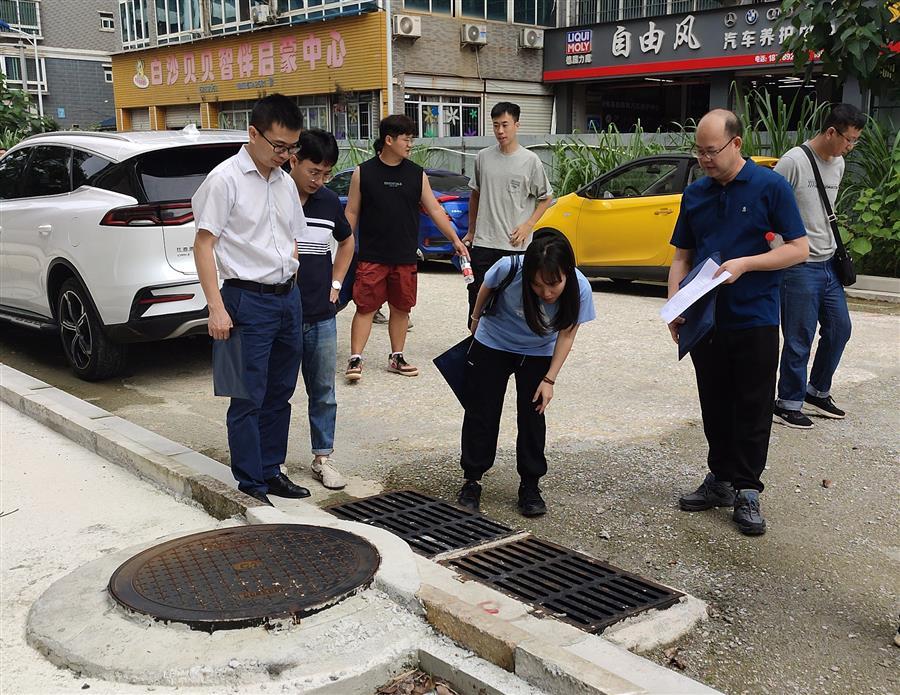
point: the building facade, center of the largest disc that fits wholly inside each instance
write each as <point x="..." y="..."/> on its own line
<point x="443" y="62"/>
<point x="75" y="40"/>
<point x="670" y="64"/>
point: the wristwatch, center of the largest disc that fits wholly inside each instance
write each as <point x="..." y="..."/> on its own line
<point x="336" y="284"/>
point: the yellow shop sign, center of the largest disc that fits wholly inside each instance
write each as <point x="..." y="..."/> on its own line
<point x="301" y="59"/>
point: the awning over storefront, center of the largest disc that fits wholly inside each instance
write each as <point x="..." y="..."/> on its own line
<point x="723" y="39"/>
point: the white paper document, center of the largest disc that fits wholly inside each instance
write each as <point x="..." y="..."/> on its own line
<point x="702" y="283"/>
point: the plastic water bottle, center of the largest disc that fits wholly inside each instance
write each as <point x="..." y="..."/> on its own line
<point x="775" y="240"/>
<point x="466" y="267"/>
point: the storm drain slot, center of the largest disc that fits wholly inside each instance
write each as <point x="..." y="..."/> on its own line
<point x="429" y="525"/>
<point x="570" y="586"/>
<point x="245" y="576"/>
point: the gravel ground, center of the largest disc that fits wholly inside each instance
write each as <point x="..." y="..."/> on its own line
<point x="810" y="607"/>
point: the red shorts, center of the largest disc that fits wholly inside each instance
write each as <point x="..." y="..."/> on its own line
<point x="377" y="283"/>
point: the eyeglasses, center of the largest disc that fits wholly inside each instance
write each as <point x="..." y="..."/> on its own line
<point x="280" y="149"/>
<point x="323" y="176"/>
<point x="850" y="142"/>
<point x="709" y="154"/>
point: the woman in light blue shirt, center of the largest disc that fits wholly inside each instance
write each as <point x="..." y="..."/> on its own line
<point x="528" y="332"/>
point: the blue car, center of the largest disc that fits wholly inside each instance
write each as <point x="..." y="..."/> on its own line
<point x="452" y="192"/>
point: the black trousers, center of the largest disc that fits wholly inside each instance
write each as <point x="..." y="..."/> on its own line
<point x="487" y="374"/>
<point x="482" y="260"/>
<point x="736" y="382"/>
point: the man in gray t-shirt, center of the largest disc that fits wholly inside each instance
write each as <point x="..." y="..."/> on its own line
<point x="811" y="294"/>
<point x="510" y="192"/>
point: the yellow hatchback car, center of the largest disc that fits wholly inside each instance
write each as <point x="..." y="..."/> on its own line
<point x="620" y="224"/>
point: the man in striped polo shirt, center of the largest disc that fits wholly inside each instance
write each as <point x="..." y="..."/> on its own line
<point x="320" y="284"/>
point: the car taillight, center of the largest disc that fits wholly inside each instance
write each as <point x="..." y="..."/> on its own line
<point x="153" y="214"/>
<point x="447" y="198"/>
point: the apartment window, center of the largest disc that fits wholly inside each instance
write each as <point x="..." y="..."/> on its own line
<point x="315" y="111"/>
<point x="352" y="117"/>
<point x="540" y="12"/>
<point x="12" y="69"/>
<point x="439" y="116"/>
<point x="435" y="6"/>
<point x="177" y="20"/>
<point x="107" y="74"/>
<point x="228" y="16"/>
<point x="133" y="24"/>
<point x="485" y="9"/>
<point x="602" y="11"/>
<point x="24" y="15"/>
<point x="297" y="10"/>
<point x="107" y="21"/>
<point x="235" y="115"/>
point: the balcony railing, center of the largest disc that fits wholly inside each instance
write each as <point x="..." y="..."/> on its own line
<point x="22" y="14"/>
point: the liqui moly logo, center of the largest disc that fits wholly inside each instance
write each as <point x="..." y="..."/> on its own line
<point x="578" y="42"/>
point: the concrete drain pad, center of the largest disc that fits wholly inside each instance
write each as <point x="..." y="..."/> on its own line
<point x="344" y="648"/>
<point x="245" y="576"/>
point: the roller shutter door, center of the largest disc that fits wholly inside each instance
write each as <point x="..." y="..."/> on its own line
<point x="140" y="119"/>
<point x="537" y="112"/>
<point x="180" y="116"/>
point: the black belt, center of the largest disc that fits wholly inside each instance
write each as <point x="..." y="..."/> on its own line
<point x="283" y="288"/>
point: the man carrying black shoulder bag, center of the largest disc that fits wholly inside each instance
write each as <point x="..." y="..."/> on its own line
<point x="812" y="293"/>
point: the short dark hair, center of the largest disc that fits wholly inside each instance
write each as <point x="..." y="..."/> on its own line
<point x="395" y="125"/>
<point x="276" y="108"/>
<point x="550" y="255"/>
<point x="506" y="107"/>
<point x="318" y="146"/>
<point x="843" y="116"/>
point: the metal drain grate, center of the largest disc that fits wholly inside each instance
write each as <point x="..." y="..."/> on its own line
<point x="570" y="586"/>
<point x="246" y="575"/>
<point x="429" y="525"/>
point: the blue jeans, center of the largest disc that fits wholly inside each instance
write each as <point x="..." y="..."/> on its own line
<point x="271" y="350"/>
<point x="811" y="295"/>
<point x="318" y="368"/>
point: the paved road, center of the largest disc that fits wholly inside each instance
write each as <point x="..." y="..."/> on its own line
<point x="810" y="607"/>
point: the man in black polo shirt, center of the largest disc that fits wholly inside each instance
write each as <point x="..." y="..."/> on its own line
<point x="320" y="284"/>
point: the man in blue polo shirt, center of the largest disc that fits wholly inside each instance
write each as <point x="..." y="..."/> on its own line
<point x="730" y="211"/>
<point x="320" y="284"/>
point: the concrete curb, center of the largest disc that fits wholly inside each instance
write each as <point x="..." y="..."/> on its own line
<point x="875" y="288"/>
<point x="551" y="655"/>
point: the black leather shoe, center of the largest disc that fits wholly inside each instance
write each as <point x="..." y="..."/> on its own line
<point x="281" y="486"/>
<point x="257" y="495"/>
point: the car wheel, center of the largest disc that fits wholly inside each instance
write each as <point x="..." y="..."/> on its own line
<point x="90" y="353"/>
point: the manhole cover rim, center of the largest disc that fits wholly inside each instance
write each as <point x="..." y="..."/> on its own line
<point x="122" y="590"/>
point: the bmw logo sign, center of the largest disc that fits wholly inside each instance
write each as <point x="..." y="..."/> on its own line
<point x="752" y="16"/>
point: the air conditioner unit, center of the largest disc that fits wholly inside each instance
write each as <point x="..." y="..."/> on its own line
<point x="407" y="26"/>
<point x="531" y="38"/>
<point x="473" y="34"/>
<point x="262" y="14"/>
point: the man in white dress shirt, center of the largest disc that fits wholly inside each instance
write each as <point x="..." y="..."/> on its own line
<point x="247" y="216"/>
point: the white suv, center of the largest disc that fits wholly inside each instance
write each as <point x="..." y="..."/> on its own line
<point x="97" y="235"/>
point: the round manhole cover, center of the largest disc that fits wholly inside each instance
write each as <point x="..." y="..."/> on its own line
<point x="245" y="576"/>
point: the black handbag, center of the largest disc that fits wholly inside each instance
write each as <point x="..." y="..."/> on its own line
<point x="843" y="263"/>
<point x="490" y="305"/>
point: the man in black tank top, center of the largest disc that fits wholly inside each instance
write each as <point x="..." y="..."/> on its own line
<point x="383" y="206"/>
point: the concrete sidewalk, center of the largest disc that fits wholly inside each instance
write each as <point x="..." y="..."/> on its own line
<point x="63" y="506"/>
<point x="553" y="656"/>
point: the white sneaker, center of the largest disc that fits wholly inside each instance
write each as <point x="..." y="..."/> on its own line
<point x="327" y="474"/>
